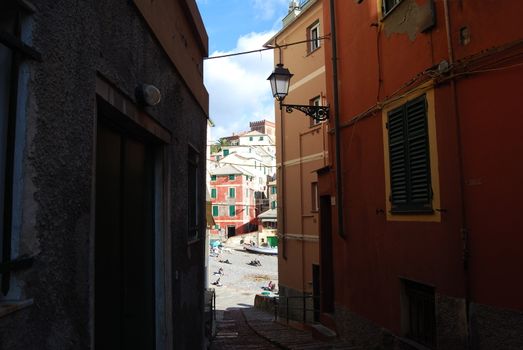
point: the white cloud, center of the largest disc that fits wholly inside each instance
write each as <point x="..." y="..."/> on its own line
<point x="238" y="88"/>
<point x="265" y="9"/>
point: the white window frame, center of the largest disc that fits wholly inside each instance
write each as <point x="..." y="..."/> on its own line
<point x="314" y="36"/>
<point x="388" y="8"/>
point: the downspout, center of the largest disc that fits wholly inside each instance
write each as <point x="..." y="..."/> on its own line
<point x="337" y="140"/>
<point x="464" y="227"/>
<point x="281" y="193"/>
<point x="303" y="283"/>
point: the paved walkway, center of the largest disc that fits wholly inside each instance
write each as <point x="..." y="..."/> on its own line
<point x="250" y="328"/>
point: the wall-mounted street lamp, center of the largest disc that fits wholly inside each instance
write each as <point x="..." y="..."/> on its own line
<point x="280" y="81"/>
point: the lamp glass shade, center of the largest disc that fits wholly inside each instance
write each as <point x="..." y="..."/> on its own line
<point x="280" y="80"/>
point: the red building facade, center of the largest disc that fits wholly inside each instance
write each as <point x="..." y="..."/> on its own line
<point x="429" y="125"/>
<point x="233" y="202"/>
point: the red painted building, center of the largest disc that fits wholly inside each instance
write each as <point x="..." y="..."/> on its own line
<point x="233" y="201"/>
<point x="429" y="249"/>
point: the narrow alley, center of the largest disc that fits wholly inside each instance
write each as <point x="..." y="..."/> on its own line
<point x="249" y="328"/>
<point x="242" y="325"/>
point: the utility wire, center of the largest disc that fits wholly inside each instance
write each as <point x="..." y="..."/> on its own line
<point x="267" y="48"/>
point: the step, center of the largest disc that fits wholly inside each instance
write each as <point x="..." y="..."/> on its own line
<point x="321" y="332"/>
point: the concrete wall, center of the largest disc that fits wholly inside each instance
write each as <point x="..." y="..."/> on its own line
<point x="80" y="43"/>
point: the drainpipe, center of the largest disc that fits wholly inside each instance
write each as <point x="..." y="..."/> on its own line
<point x="464" y="229"/>
<point x="281" y="192"/>
<point x="337" y="140"/>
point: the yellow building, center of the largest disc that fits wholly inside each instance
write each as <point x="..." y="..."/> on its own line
<point x="301" y="150"/>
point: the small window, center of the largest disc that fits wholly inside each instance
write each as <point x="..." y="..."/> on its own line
<point x="231" y="177"/>
<point x="261" y="138"/>
<point x="225" y="152"/>
<point x="315" y="102"/>
<point x="418" y="312"/>
<point x="314" y="196"/>
<point x="388" y="5"/>
<point x="250" y="138"/>
<point x="232" y="210"/>
<point x="409" y="158"/>
<point x="273" y="205"/>
<point x="273" y="189"/>
<point x="214" y="210"/>
<point x="247" y="193"/>
<point x="232" y="192"/>
<point x="213" y="193"/>
<point x="213" y="177"/>
<point x="313" y="35"/>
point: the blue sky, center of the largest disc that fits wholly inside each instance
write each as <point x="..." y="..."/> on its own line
<point x="238" y="89"/>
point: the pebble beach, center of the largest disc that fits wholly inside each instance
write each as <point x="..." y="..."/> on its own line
<point x="240" y="281"/>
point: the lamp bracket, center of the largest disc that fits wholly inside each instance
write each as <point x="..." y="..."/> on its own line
<point x="318" y="113"/>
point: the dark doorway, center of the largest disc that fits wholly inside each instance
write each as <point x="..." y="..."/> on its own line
<point x="231" y="231"/>
<point x="326" y="265"/>
<point x="316" y="291"/>
<point x="124" y="242"/>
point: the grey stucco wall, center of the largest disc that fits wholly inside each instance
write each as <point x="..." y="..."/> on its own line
<point x="78" y="41"/>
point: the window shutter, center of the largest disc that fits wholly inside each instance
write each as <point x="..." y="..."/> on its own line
<point x="232" y="210"/>
<point x="409" y="157"/>
<point x="214" y="210"/>
<point x="398" y="166"/>
<point x="418" y="152"/>
<point x="213" y="193"/>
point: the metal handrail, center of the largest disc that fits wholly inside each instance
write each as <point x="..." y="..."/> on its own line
<point x="303" y="306"/>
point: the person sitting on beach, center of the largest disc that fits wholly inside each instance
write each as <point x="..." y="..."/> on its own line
<point x="271" y="286"/>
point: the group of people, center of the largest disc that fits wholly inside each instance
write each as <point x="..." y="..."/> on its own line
<point x="254" y="262"/>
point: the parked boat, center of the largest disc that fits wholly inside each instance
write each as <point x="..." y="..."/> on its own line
<point x="261" y="250"/>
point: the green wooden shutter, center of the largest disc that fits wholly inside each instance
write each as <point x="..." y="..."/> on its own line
<point x="232" y="192"/>
<point x="232" y="210"/>
<point x="213" y="192"/>
<point x="418" y="152"/>
<point x="214" y="210"/>
<point x="409" y="157"/>
<point x="398" y="171"/>
<point x="225" y="152"/>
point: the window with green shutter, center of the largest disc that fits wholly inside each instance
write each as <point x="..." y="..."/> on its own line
<point x="214" y="210"/>
<point x="410" y="182"/>
<point x="232" y="210"/>
<point x="273" y="205"/>
<point x="213" y="192"/>
<point x="231" y="177"/>
<point x="213" y="177"/>
<point x="232" y="192"/>
<point x="225" y="152"/>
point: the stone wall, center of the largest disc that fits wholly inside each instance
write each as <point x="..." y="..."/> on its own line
<point x="80" y="42"/>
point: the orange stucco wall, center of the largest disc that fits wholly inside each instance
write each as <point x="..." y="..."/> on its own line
<point x="300" y="151"/>
<point x="380" y="59"/>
